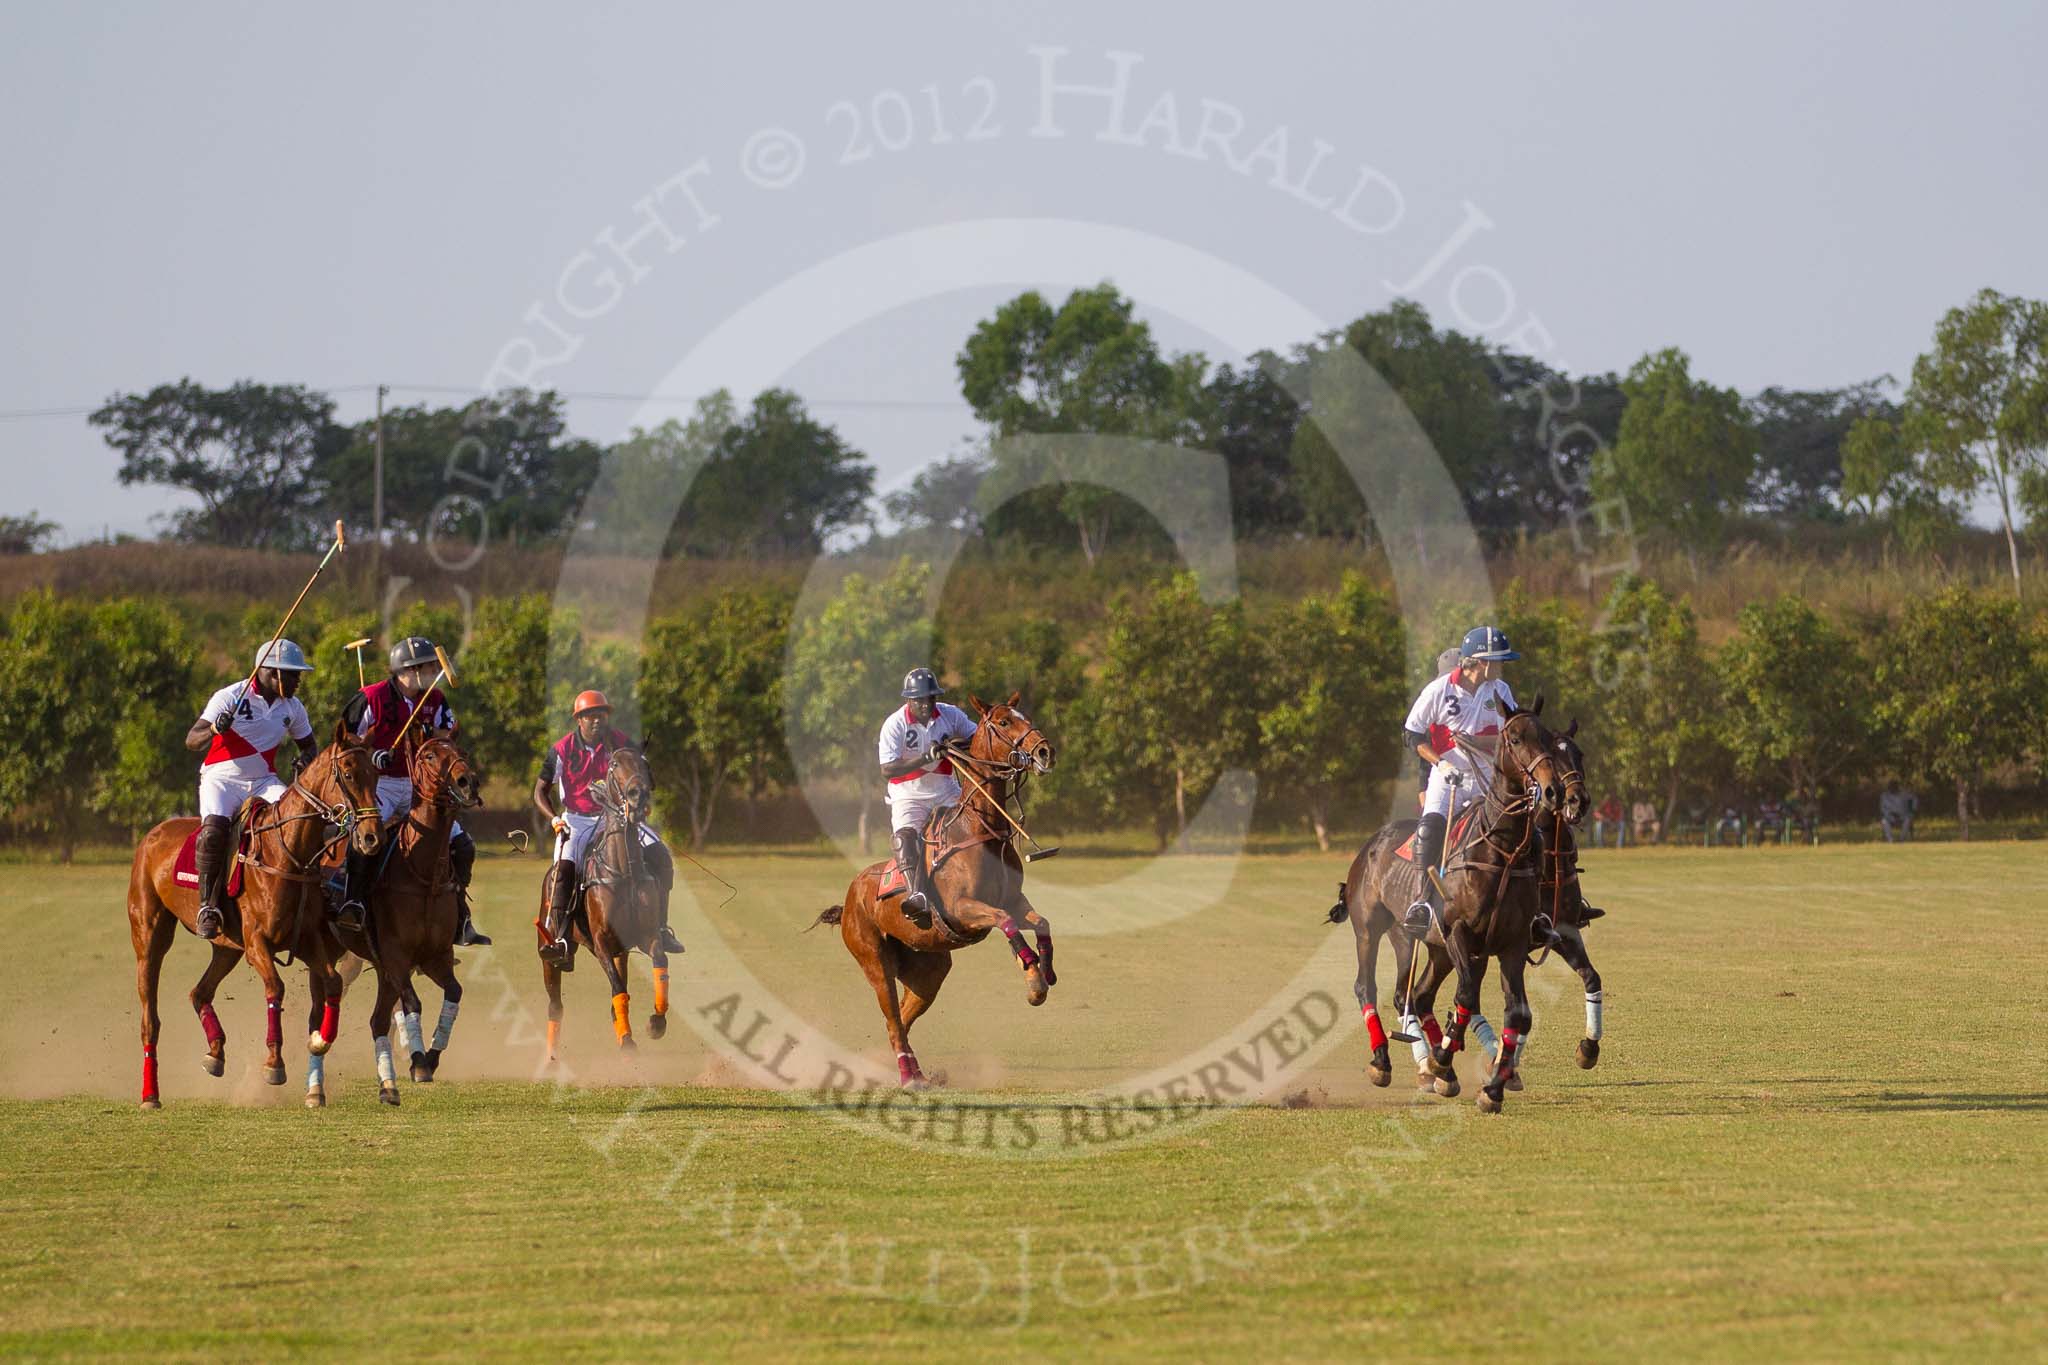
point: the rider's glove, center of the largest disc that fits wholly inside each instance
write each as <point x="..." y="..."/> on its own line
<point x="559" y="825"/>
<point x="381" y="760"/>
<point x="224" y="722"/>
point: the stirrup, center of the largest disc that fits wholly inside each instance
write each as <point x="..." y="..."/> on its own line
<point x="467" y="936"/>
<point x="668" y="940"/>
<point x="351" y="915"/>
<point x="1416" y="922"/>
<point x="209" y="922"/>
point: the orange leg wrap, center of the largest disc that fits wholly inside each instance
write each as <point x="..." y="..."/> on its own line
<point x="661" y="990"/>
<point x="620" y="1024"/>
<point x="554" y="1036"/>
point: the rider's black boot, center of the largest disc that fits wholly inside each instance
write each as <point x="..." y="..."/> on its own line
<point x="663" y="867"/>
<point x="917" y="894"/>
<point x="462" y="862"/>
<point x="357" y="876"/>
<point x="1429" y="851"/>
<point x="210" y="855"/>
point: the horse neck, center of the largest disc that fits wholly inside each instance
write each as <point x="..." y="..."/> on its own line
<point x="298" y="837"/>
<point x="985" y="794"/>
<point x="427" y="825"/>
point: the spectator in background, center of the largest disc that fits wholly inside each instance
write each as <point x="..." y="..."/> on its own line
<point x="1895" y="811"/>
<point x="1730" y="823"/>
<point x="1607" y="816"/>
<point x="1648" y="828"/>
<point x="1770" y="819"/>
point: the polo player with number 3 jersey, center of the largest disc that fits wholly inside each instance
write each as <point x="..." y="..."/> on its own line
<point x="1455" y="726"/>
<point x="383" y="710"/>
<point x="241" y="729"/>
<point x="914" y="751"/>
<point x="571" y="766"/>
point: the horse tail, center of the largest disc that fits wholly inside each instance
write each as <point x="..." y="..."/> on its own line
<point x="831" y="914"/>
<point x="1341" y="911"/>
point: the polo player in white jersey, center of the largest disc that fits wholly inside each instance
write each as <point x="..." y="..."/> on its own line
<point x="1455" y="727"/>
<point x="241" y="728"/>
<point x="914" y="747"/>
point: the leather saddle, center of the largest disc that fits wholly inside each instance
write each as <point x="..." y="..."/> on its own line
<point x="185" y="871"/>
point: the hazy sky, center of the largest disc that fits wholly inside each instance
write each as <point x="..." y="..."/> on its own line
<point x="407" y="194"/>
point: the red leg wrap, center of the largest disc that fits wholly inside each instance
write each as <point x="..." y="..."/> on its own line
<point x="273" y="1030"/>
<point x="1433" y="1034"/>
<point x="1374" y="1033"/>
<point x="330" y="1020"/>
<point x="209" y="1022"/>
<point x="1510" y="1044"/>
<point x="149" y="1073"/>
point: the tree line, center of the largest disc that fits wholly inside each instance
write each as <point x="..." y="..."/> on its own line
<point x="748" y="692"/>
<point x="1525" y="443"/>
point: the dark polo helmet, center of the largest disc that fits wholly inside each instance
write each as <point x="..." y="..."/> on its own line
<point x="920" y="682"/>
<point x="413" y="651"/>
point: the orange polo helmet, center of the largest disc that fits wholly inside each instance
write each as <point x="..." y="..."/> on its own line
<point x="592" y="700"/>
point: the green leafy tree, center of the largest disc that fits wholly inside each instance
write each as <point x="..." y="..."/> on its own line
<point x="711" y="696"/>
<point x="1962" y="689"/>
<point x="1335" y="679"/>
<point x="1977" y="412"/>
<point x="1800" y="435"/>
<point x="250" y="453"/>
<point x="1661" y="709"/>
<point x="846" y="667"/>
<point x="514" y="644"/>
<point x="1882" y="479"/>
<point x="25" y="535"/>
<point x="1685" y="453"/>
<point x="1784" y="725"/>
<point x="1251" y="422"/>
<point x="1174" y="705"/>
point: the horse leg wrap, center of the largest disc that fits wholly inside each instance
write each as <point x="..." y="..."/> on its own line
<point x="446" y="1024"/>
<point x="1594" y="999"/>
<point x="1460" y="1018"/>
<point x="273" y="1027"/>
<point x="554" y="1036"/>
<point x="387" y="1070"/>
<point x="148" y="1072"/>
<point x="1482" y="1030"/>
<point x="1412" y="1026"/>
<point x="330" y="1020"/>
<point x="1025" y="957"/>
<point x="410" y="1034"/>
<point x="1432" y="1034"/>
<point x="621" y="1024"/>
<point x="906" y="1068"/>
<point x="316" y="1072"/>
<point x="209" y="1024"/>
<point x="661" y="990"/>
<point x="1510" y="1044"/>
<point x="1374" y="1033"/>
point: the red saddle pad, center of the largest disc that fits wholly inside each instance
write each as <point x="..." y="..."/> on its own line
<point x="1406" y="852"/>
<point x="185" y="872"/>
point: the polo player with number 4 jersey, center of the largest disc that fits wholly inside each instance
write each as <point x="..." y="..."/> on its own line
<point x="241" y="729"/>
<point x="383" y="710"/>
<point x="572" y="765"/>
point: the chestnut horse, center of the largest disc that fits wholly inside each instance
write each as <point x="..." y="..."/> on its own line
<point x="979" y="879"/>
<point x="281" y="909"/>
<point x="412" y="917"/>
<point x="1493" y="908"/>
<point x="624" y="901"/>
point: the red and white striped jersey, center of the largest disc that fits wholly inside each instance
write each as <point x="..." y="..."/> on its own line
<point x="248" y="748"/>
<point x="904" y="737"/>
<point x="1445" y="709"/>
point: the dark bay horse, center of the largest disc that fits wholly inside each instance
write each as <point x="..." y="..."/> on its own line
<point x="412" y="919"/>
<point x="281" y="909"/>
<point x="624" y="901"/>
<point x="978" y="875"/>
<point x="1493" y="908"/>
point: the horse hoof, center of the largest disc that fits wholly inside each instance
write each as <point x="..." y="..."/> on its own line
<point x="388" y="1093"/>
<point x="213" y="1065"/>
<point x="316" y="1099"/>
<point x="421" y="1072"/>
<point x="916" y="1083"/>
<point x="626" y="1043"/>
<point x="1035" y="989"/>
<point x="657" y="1025"/>
<point x="273" y="1075"/>
<point x="1514" y="1083"/>
<point x="1446" y="1086"/>
<point x="1488" y="1102"/>
<point x="316" y="1045"/>
<point x="1589" y="1053"/>
<point x="151" y="1102"/>
<point x="1045" y="968"/>
<point x="1441" y="1070"/>
<point x="1381" y="1076"/>
<point x="433" y="1062"/>
<point x="1424" y="1081"/>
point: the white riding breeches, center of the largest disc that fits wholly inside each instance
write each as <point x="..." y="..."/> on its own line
<point x="222" y="794"/>
<point x="1446" y="795"/>
<point x="911" y="812"/>
<point x="574" y="845"/>
<point x="394" y="798"/>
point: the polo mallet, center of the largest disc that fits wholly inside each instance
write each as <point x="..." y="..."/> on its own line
<point x="357" y="646"/>
<point x="340" y="541"/>
<point x="447" y="675"/>
<point x="1037" y="851"/>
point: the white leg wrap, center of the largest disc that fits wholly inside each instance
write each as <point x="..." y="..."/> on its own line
<point x="1412" y="1026"/>
<point x="316" y="1072"/>
<point x="446" y="1025"/>
<point x="1593" y="1002"/>
<point x="1484" y="1034"/>
<point x="387" y="1071"/>
<point x="410" y="1034"/>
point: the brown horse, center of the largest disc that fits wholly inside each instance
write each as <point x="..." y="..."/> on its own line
<point x="979" y="879"/>
<point x="412" y="916"/>
<point x="1493" y="908"/>
<point x="281" y="908"/>
<point x="626" y="883"/>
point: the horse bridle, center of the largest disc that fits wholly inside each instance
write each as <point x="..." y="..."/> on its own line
<point x="340" y="817"/>
<point x="1013" y="768"/>
<point x="618" y="822"/>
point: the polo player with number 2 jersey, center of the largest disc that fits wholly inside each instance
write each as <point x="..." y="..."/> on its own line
<point x="383" y="710"/>
<point x="1455" y="726"/>
<point x="572" y="764"/>
<point x="241" y="728"/>
<point x="914" y="751"/>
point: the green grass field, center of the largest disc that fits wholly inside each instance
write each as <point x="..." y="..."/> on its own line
<point x="1817" y="1129"/>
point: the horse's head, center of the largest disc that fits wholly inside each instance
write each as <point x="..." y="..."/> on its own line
<point x="630" y="784"/>
<point x="345" y="778"/>
<point x="441" y="775"/>
<point x="1566" y="745"/>
<point x="1007" y="736"/>
<point x="1529" y="756"/>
